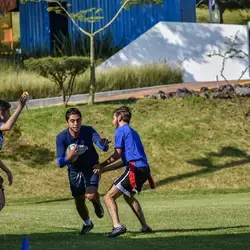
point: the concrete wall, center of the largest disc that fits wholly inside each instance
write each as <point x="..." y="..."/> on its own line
<point x="188" y="44"/>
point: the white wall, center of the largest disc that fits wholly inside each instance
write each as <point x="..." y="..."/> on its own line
<point x="189" y="43"/>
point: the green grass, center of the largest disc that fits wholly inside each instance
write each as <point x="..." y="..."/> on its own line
<point x="193" y="145"/>
<point x="180" y="222"/>
<point x="15" y="82"/>
<point x="230" y="17"/>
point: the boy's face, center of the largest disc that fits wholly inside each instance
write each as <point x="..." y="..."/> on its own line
<point x="74" y="123"/>
<point x="115" y="121"/>
<point x="4" y="115"/>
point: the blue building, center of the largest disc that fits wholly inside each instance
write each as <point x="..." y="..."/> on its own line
<point x="38" y="26"/>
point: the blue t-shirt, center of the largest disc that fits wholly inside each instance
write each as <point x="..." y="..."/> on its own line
<point x="87" y="156"/>
<point x="129" y="141"/>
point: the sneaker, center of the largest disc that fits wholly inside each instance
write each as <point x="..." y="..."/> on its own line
<point x="116" y="231"/>
<point x="147" y="230"/>
<point x="86" y="228"/>
<point x="99" y="211"/>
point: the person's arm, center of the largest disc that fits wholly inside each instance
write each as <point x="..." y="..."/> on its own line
<point x="112" y="167"/>
<point x="7" y="171"/>
<point x="119" y="145"/>
<point x="101" y="143"/>
<point x="62" y="159"/>
<point x="11" y="121"/>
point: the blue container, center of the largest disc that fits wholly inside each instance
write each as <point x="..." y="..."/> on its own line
<point x="37" y="25"/>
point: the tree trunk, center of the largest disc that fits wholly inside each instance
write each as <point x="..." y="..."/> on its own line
<point x="91" y="98"/>
<point x="64" y="95"/>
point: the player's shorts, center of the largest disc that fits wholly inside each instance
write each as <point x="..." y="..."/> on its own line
<point x="131" y="182"/>
<point x="1" y="183"/>
<point x="79" y="181"/>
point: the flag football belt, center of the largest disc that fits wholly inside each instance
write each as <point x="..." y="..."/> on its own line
<point x="132" y="179"/>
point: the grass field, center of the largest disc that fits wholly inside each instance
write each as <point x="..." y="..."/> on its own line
<point x="193" y="145"/>
<point x="180" y="222"/>
<point x="200" y="158"/>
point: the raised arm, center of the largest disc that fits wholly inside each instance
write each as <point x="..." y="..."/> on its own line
<point x="11" y="121"/>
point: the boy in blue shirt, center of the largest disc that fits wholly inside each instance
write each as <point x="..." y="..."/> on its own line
<point x="80" y="160"/>
<point x="6" y="124"/>
<point x="129" y="148"/>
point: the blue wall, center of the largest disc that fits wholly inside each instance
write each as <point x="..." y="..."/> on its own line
<point x="34" y="27"/>
<point x="131" y="23"/>
<point x="35" y="23"/>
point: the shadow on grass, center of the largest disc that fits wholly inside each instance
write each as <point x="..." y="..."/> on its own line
<point x="66" y="240"/>
<point x="208" y="166"/>
<point x="187" y="230"/>
<point x="30" y="155"/>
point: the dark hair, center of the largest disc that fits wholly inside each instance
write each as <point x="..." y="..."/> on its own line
<point x="4" y="105"/>
<point x="72" y="111"/>
<point x="124" y="112"/>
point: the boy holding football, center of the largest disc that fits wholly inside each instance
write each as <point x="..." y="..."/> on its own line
<point x="128" y="148"/>
<point x="6" y="124"/>
<point x="74" y="148"/>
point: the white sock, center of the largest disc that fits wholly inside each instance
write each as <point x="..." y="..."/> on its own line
<point x="117" y="225"/>
<point x="88" y="222"/>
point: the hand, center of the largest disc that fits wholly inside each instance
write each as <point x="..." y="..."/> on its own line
<point x="97" y="169"/>
<point x="10" y="177"/>
<point x="72" y="153"/>
<point x="105" y="142"/>
<point x="23" y="100"/>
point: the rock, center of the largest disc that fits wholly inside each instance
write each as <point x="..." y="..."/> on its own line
<point x="247" y="85"/>
<point x="214" y="90"/>
<point x="229" y="88"/>
<point x="222" y="87"/>
<point x="221" y="96"/>
<point x="161" y="96"/>
<point x="132" y="99"/>
<point x="203" y="89"/>
<point x="168" y="96"/>
<point x="242" y="91"/>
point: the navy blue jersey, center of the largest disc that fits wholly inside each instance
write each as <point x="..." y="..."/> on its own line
<point x="129" y="141"/>
<point x="87" y="155"/>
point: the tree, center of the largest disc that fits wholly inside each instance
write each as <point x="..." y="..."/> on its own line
<point x="62" y="71"/>
<point x="91" y="16"/>
<point x="227" y="5"/>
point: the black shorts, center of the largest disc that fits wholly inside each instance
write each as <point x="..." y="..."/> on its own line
<point x="131" y="182"/>
<point x="79" y="181"/>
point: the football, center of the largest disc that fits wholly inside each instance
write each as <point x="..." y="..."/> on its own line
<point x="69" y="148"/>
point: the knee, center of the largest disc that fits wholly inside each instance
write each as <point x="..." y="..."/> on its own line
<point x="108" y="197"/>
<point x="91" y="196"/>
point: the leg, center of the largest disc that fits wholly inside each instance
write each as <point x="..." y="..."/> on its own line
<point x="77" y="185"/>
<point x="93" y="196"/>
<point x="2" y="199"/>
<point x="136" y="208"/>
<point x="110" y="202"/>
<point x="81" y="207"/>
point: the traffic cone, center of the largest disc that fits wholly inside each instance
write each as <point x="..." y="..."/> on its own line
<point x="25" y="244"/>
